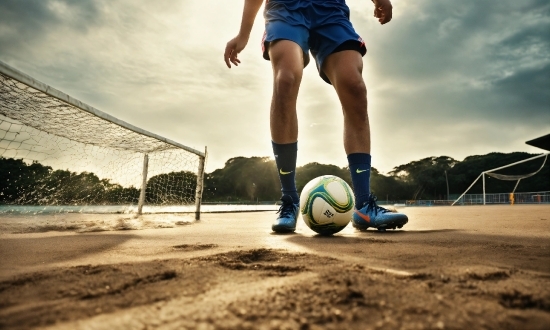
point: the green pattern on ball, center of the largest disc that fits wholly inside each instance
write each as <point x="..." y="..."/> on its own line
<point x="320" y="191"/>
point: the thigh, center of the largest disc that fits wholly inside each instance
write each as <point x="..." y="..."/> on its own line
<point x="283" y="24"/>
<point x="286" y="56"/>
<point x="344" y="68"/>
<point x="332" y="32"/>
<point x="332" y="40"/>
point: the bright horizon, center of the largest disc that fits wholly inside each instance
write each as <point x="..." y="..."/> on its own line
<point x="443" y="79"/>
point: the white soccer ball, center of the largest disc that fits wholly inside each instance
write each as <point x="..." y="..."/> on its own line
<point x="326" y="204"/>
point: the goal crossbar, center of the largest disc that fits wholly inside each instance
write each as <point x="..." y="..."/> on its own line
<point x="40" y="86"/>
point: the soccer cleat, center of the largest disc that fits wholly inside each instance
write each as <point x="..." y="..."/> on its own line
<point x="288" y="214"/>
<point x="372" y="215"/>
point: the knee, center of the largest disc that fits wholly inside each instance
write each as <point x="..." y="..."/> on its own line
<point x="354" y="99"/>
<point x="355" y="85"/>
<point x="286" y="82"/>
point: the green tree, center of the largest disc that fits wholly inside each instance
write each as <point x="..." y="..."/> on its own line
<point x="310" y="171"/>
<point x="171" y="188"/>
<point x="387" y="187"/>
<point x="425" y="178"/>
<point x="63" y="187"/>
<point x="243" y="179"/>
<point x="18" y="181"/>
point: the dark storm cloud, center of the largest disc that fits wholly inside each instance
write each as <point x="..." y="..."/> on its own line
<point x="457" y="77"/>
<point x="527" y="92"/>
<point x="32" y="31"/>
<point x="30" y="19"/>
<point x="461" y="57"/>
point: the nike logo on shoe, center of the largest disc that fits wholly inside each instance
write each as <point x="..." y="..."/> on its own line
<point x="363" y="216"/>
<point x="284" y="173"/>
<point x="358" y="171"/>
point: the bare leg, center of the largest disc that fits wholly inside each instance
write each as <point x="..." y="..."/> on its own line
<point x="288" y="64"/>
<point x="287" y="61"/>
<point x="344" y="71"/>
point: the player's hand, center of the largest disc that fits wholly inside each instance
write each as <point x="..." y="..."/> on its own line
<point x="382" y="10"/>
<point x="232" y="50"/>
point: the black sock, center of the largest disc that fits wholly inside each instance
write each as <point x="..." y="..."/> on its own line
<point x="359" y="167"/>
<point x="285" y="158"/>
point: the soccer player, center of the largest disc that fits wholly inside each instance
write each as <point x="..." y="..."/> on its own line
<point x="293" y="28"/>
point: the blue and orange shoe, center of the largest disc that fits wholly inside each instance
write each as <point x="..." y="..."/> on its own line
<point x="288" y="214"/>
<point x="372" y="215"/>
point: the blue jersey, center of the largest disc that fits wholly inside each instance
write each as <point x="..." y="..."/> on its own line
<point x="300" y="4"/>
<point x="292" y="11"/>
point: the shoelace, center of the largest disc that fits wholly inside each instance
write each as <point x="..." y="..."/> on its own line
<point x="286" y="209"/>
<point x="371" y="205"/>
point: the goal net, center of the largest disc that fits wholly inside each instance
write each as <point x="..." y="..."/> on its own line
<point x="58" y="153"/>
<point x="484" y="198"/>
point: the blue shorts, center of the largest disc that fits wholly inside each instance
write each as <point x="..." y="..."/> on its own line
<point x="322" y="27"/>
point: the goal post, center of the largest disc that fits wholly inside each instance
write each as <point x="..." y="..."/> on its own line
<point x="516" y="178"/>
<point x="200" y="186"/>
<point x="63" y="152"/>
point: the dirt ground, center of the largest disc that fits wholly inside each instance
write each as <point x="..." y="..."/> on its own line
<point x="449" y="268"/>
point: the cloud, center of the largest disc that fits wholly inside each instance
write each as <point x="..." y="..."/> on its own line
<point x="452" y="78"/>
<point x="458" y="78"/>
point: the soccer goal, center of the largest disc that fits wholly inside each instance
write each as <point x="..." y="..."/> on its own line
<point x="59" y="153"/>
<point x="505" y="177"/>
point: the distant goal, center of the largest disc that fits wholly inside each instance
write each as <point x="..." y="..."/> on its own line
<point x="58" y="154"/>
<point x="510" y="197"/>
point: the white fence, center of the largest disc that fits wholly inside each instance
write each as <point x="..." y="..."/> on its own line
<point x="541" y="197"/>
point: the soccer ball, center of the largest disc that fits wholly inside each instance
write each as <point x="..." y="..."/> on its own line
<point x="326" y="204"/>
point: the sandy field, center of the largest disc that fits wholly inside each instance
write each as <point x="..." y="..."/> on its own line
<point x="462" y="267"/>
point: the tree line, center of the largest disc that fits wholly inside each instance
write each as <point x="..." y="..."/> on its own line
<point x="255" y="179"/>
<point x="36" y="184"/>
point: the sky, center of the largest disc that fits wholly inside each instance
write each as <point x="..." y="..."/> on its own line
<point x="444" y="78"/>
